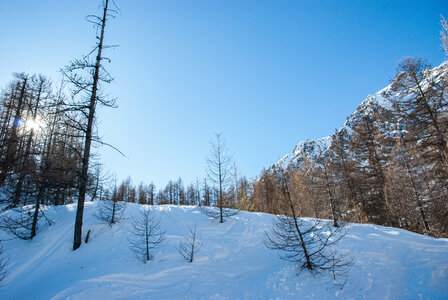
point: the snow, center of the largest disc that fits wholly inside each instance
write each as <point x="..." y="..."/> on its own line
<point x="233" y="262"/>
<point x="313" y="149"/>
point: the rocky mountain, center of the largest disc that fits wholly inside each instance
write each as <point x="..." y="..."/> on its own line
<point x="380" y="102"/>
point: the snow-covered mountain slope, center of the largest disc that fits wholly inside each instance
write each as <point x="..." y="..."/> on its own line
<point x="313" y="149"/>
<point x="316" y="148"/>
<point x="233" y="262"/>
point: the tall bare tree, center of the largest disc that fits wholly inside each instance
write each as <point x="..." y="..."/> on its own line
<point x="422" y="102"/>
<point x="86" y="77"/>
<point x="219" y="172"/>
<point x="371" y="161"/>
<point x="343" y="166"/>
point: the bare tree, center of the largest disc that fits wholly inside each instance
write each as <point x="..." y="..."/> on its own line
<point x="151" y="190"/>
<point x="142" y="197"/>
<point x="341" y="164"/>
<point x="190" y="245"/>
<point x="246" y="193"/>
<point x="309" y="244"/>
<point x="235" y="179"/>
<point x="218" y="171"/>
<point x="198" y="194"/>
<point x="86" y="77"/>
<point x="370" y="153"/>
<point x="217" y="213"/>
<point x="327" y="181"/>
<point x="265" y="191"/>
<point x="206" y="194"/>
<point x="190" y="194"/>
<point x="421" y="101"/>
<point x="407" y="186"/>
<point x="146" y="235"/>
<point x="110" y="211"/>
<point x="424" y="104"/>
<point x="17" y="222"/>
<point x="16" y="107"/>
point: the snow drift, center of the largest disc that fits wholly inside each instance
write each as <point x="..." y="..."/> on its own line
<point x="233" y="262"/>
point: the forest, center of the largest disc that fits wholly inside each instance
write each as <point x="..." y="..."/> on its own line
<point x="389" y="166"/>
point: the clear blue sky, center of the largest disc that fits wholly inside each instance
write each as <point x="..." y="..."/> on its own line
<point x="266" y="73"/>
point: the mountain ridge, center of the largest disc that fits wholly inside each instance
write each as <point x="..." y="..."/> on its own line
<point x="318" y="147"/>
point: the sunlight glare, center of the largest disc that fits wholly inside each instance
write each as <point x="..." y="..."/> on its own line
<point x="36" y="125"/>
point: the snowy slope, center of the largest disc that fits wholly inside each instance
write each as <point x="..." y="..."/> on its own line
<point x="232" y="264"/>
<point x="316" y="148"/>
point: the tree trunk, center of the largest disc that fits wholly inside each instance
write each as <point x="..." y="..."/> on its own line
<point x="88" y="140"/>
<point x="287" y="195"/>
<point x="220" y="195"/>
<point x="330" y="197"/>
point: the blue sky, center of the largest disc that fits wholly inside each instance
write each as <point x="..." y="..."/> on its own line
<point x="266" y="73"/>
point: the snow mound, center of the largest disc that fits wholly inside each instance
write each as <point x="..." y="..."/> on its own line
<point x="233" y="262"/>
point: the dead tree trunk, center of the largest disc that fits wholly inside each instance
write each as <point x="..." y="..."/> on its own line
<point x="88" y="137"/>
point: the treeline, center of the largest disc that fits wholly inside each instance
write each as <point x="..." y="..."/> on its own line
<point x="389" y="168"/>
<point x="200" y="193"/>
<point x="42" y="134"/>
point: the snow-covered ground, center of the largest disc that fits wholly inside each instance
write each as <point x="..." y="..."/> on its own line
<point x="233" y="262"/>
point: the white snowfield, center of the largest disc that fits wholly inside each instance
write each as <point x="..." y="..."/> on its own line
<point x="233" y="262"/>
